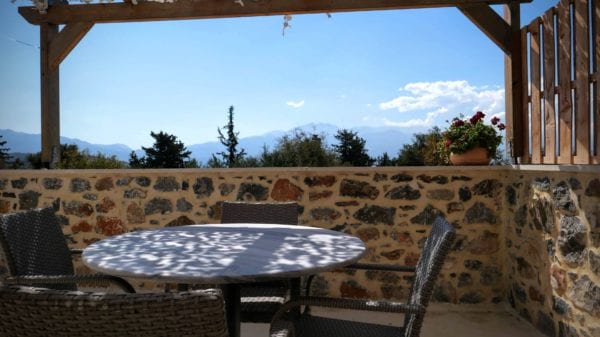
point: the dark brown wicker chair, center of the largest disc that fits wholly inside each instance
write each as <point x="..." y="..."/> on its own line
<point x="36" y="253"/>
<point x="260" y="301"/>
<point x="432" y="258"/>
<point x="28" y="311"/>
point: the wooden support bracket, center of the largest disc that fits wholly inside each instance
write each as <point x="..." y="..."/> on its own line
<point x="66" y="40"/>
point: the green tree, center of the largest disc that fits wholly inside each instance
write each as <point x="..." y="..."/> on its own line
<point x="17" y="164"/>
<point x="72" y="158"/>
<point x="385" y="160"/>
<point x="300" y="149"/>
<point x="167" y="152"/>
<point x="250" y="161"/>
<point x="422" y="151"/>
<point x="102" y="161"/>
<point x="135" y="161"/>
<point x="4" y="156"/>
<point x="215" y="162"/>
<point x="192" y="163"/>
<point x="34" y="160"/>
<point x="231" y="156"/>
<point x="351" y="149"/>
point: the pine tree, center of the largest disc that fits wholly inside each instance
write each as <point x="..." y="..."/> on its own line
<point x="167" y="152"/>
<point x="351" y="149"/>
<point x="4" y="156"/>
<point x="231" y="157"/>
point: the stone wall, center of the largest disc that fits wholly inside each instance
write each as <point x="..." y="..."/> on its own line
<point x="524" y="236"/>
<point x="389" y="208"/>
<point x="553" y="241"/>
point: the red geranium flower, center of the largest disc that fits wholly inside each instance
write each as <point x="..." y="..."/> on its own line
<point x="477" y="117"/>
<point x="458" y="122"/>
<point x="495" y="120"/>
<point x="501" y="126"/>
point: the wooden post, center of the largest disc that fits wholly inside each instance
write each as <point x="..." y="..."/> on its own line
<point x="50" y="98"/>
<point x="582" y="84"/>
<point x="513" y="83"/>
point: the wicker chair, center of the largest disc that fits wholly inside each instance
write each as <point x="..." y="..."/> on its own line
<point x="28" y="311"/>
<point x="428" y="267"/>
<point x="260" y="301"/>
<point x="36" y="253"/>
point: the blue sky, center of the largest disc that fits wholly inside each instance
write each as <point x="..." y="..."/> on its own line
<point x="410" y="69"/>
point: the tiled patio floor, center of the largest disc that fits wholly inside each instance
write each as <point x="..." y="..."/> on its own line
<point x="447" y="320"/>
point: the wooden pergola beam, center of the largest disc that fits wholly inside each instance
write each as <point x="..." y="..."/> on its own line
<point x="489" y="22"/>
<point x="205" y="9"/>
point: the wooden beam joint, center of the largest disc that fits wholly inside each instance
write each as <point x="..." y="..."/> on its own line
<point x="488" y="21"/>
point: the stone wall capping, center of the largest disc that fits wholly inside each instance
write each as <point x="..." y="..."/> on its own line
<point x="557" y="168"/>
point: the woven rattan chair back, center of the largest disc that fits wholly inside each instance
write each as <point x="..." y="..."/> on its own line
<point x="285" y="213"/>
<point x="434" y="252"/>
<point x="260" y="300"/>
<point x="33" y="244"/>
<point x="27" y="311"/>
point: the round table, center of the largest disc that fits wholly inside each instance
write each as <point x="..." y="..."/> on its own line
<point x="229" y="254"/>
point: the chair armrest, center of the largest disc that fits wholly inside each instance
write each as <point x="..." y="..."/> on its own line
<point x="366" y="266"/>
<point x="281" y="328"/>
<point x="95" y="280"/>
<point x="76" y="251"/>
<point x="382" y="267"/>
<point x="354" y="304"/>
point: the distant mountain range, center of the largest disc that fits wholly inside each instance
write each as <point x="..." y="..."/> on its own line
<point x="378" y="140"/>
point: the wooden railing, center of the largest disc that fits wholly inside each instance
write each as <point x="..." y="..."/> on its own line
<point x="561" y="58"/>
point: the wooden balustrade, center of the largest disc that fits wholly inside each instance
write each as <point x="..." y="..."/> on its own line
<point x="561" y="85"/>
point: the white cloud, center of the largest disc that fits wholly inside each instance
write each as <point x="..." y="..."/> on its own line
<point x="416" y="121"/>
<point x="451" y="98"/>
<point x="295" y="105"/>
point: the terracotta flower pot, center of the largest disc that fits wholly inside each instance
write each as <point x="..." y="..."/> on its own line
<point x="476" y="156"/>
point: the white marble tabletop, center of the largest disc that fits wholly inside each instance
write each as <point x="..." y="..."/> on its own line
<point x="225" y="253"/>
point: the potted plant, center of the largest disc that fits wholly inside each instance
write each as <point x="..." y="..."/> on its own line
<point x="470" y="141"/>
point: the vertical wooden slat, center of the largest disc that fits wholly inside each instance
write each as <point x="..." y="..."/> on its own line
<point x="549" y="109"/>
<point x="564" y="82"/>
<point x="50" y="99"/>
<point x="596" y="30"/>
<point x="524" y="121"/>
<point x="582" y="84"/>
<point x="536" y="111"/>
